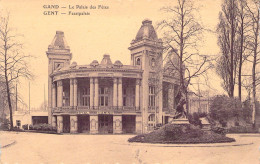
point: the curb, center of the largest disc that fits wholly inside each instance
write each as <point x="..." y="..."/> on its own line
<point x="10" y="144"/>
<point x="176" y="145"/>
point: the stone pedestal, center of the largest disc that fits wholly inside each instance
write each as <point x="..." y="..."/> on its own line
<point x="73" y="124"/>
<point x="138" y="124"/>
<point x="59" y="124"/>
<point x="93" y="124"/>
<point x="117" y="124"/>
<point x="180" y="121"/>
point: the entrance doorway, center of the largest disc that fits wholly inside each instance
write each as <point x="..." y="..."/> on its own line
<point x="128" y="123"/>
<point x="105" y="123"/>
<point x="83" y="123"/>
<point x="66" y="124"/>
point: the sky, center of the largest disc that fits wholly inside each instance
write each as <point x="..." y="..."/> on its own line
<point x="91" y="36"/>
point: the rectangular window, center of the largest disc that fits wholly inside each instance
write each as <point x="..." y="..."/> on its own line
<point x="103" y="96"/>
<point x="18" y="123"/>
<point x="86" y="97"/>
<point x="151" y="96"/>
<point x="66" y="99"/>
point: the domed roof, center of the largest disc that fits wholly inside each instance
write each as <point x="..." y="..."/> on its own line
<point x="59" y="41"/>
<point x="94" y="63"/>
<point x="146" y="31"/>
<point x="118" y="63"/>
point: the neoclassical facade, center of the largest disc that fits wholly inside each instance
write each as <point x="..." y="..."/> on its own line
<point x="109" y="97"/>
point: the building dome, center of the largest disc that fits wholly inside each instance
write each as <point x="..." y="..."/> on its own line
<point x="59" y="41"/>
<point x="118" y="63"/>
<point x="146" y="31"/>
<point x="94" y="63"/>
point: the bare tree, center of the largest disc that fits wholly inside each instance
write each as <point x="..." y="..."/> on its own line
<point x="13" y="64"/>
<point x="243" y="29"/>
<point x="228" y="43"/>
<point x="254" y="13"/>
<point x="182" y="33"/>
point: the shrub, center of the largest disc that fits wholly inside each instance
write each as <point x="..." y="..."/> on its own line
<point x="242" y="129"/>
<point x="194" y="119"/>
<point x="25" y="126"/>
<point x="224" y="108"/>
<point x="43" y="127"/>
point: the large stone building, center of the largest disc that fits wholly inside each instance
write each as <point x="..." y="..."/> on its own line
<point x="109" y="97"/>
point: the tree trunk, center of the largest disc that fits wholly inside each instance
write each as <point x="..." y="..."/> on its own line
<point x="254" y="70"/>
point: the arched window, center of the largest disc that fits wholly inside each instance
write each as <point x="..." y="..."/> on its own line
<point x="152" y="62"/>
<point x="151" y="122"/>
<point x="138" y="61"/>
<point x="151" y="118"/>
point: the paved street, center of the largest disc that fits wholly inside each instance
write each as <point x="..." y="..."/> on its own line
<point x="48" y="148"/>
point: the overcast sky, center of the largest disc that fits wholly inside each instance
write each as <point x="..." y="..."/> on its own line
<point x="89" y="37"/>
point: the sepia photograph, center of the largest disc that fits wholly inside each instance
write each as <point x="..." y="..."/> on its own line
<point x="130" y="82"/>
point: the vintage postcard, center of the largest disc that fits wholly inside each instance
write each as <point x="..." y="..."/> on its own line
<point x="129" y="81"/>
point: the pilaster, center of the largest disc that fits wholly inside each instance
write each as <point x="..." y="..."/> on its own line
<point x="96" y="93"/>
<point x="137" y="94"/>
<point x="117" y="124"/>
<point x="59" y="124"/>
<point x="120" y="94"/>
<point x="71" y="92"/>
<point x="73" y="124"/>
<point x="115" y="92"/>
<point x="91" y="81"/>
<point x="138" y="124"/>
<point x="54" y="121"/>
<point x="53" y="95"/>
<point x="59" y="93"/>
<point x="75" y="90"/>
<point x="93" y="124"/>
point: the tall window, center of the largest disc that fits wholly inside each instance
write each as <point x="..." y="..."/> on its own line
<point x="151" y="121"/>
<point x="138" y="61"/>
<point x="103" y="96"/>
<point x="151" y="96"/>
<point x="165" y="97"/>
<point x="86" y="97"/>
<point x="129" y="96"/>
<point x="65" y="99"/>
<point x="124" y="97"/>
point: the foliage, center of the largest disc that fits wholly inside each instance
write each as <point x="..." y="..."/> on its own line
<point x="224" y="108"/>
<point x="172" y="133"/>
<point x="242" y="129"/>
<point x="42" y="127"/>
<point x="25" y="126"/>
<point x="195" y="119"/>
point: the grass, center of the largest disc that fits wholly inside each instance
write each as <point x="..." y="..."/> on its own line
<point x="181" y="134"/>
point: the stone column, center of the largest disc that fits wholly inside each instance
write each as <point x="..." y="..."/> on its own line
<point x="96" y="93"/>
<point x="91" y="87"/>
<point x="138" y="124"/>
<point x="115" y="92"/>
<point x="75" y="90"/>
<point x="120" y="94"/>
<point x="54" y="122"/>
<point x="71" y="92"/>
<point x="93" y="124"/>
<point x="170" y="97"/>
<point x="59" y="124"/>
<point x="117" y="124"/>
<point x="59" y="93"/>
<point x="54" y="95"/>
<point x="137" y="94"/>
<point x="73" y="124"/>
